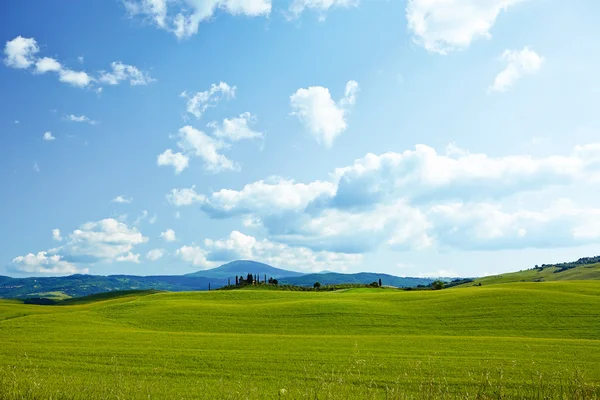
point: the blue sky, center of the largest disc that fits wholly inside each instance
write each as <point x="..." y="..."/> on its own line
<point x="418" y="138"/>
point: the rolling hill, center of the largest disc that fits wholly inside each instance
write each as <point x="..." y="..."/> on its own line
<point x="333" y="278"/>
<point x="545" y="273"/>
<point x="509" y="341"/>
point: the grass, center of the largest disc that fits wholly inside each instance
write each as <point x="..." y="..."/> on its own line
<point x="525" y="340"/>
<point x="547" y="274"/>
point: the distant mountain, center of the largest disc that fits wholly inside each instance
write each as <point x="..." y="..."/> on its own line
<point x="243" y="268"/>
<point x="333" y="278"/>
<point x="85" y="285"/>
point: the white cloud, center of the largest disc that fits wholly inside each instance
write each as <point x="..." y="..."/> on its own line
<point x="518" y="63"/>
<point x="237" y="128"/>
<point x="56" y="235"/>
<point x="168" y="235"/>
<point x="141" y="217"/>
<point x="323" y="118"/>
<point x="418" y="199"/>
<point x="321" y="6"/>
<point x="155" y="254"/>
<point x="123" y="72"/>
<point x="75" y="78"/>
<point x="20" y="52"/>
<point x="129" y="257"/>
<point x="443" y="26"/>
<point x="122" y="200"/>
<point x="80" y="118"/>
<point x="47" y="64"/>
<point x="36" y="167"/>
<point x="178" y="160"/>
<point x="48" y="136"/>
<point x="272" y="196"/>
<point x="241" y="246"/>
<point x="199" y="102"/>
<point x="183" y="18"/>
<point x="106" y="240"/>
<point x="195" y="256"/>
<point x="486" y="226"/>
<point x="44" y="263"/>
<point x="440" y="273"/>
<point x="184" y="197"/>
<point x="196" y="143"/>
<point x="153" y="219"/>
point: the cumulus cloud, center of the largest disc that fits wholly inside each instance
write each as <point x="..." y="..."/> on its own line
<point x="199" y="102"/>
<point x="518" y="63"/>
<point x="21" y="53"/>
<point x="321" y="6"/>
<point x="80" y="118"/>
<point x="56" y="235"/>
<point x="44" y="263"/>
<point x="275" y="195"/>
<point x="168" y="235"/>
<point x="418" y="199"/>
<point x="129" y="257"/>
<point x="184" y="197"/>
<point x="237" y="128"/>
<point x="123" y="72"/>
<point x="184" y="18"/>
<point x="178" y="160"/>
<point x="155" y="254"/>
<point x="443" y="26"/>
<point x="195" y="143"/>
<point x="486" y="226"/>
<point x="122" y="199"/>
<point x="241" y="246"/>
<point x="194" y="255"/>
<point x="48" y="136"/>
<point x="107" y="240"/>
<point x="47" y="64"/>
<point x="322" y="117"/>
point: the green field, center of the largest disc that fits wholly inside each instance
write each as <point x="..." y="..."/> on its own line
<point x="524" y="340"/>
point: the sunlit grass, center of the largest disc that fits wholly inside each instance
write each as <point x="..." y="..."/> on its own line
<point x="538" y="341"/>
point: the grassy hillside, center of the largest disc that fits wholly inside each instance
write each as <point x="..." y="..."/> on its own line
<point x="332" y="278"/>
<point x="525" y="340"/>
<point x="544" y="274"/>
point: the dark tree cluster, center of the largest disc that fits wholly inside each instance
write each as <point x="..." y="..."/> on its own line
<point x="254" y="279"/>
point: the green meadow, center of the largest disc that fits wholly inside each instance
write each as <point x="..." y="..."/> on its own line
<point x="521" y="340"/>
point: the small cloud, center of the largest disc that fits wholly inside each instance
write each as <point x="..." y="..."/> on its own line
<point x="48" y="136"/>
<point x="168" y="235"/>
<point x="518" y="63"/>
<point x="122" y="200"/>
<point x="17" y="121"/>
<point x="80" y="118"/>
<point x="155" y="254"/>
<point x="123" y="72"/>
<point x="80" y="59"/>
<point x="36" y="167"/>
<point x="153" y="219"/>
<point x="441" y="273"/>
<point x="56" y="235"/>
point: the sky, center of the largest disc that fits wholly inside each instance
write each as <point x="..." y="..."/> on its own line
<point x="415" y="138"/>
